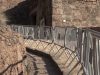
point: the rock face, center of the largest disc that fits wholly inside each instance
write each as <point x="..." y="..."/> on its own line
<point x="11" y="52"/>
<point x="7" y="4"/>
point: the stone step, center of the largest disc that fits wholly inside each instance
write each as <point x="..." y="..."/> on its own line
<point x="61" y="66"/>
<point x="71" y="61"/>
<point x="73" y="69"/>
<point x="55" y="50"/>
<point x="38" y="58"/>
<point x="42" y="71"/>
<point x="39" y="62"/>
<point x="58" y="53"/>
<point x="42" y="46"/>
<point x="44" y="74"/>
<point x="49" y="47"/>
<point x="59" y="61"/>
<point x="81" y="72"/>
<point x="37" y="72"/>
<point x="40" y="66"/>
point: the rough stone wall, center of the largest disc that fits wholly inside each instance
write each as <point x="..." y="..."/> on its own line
<point x="8" y="4"/>
<point x="79" y="13"/>
<point x="12" y="50"/>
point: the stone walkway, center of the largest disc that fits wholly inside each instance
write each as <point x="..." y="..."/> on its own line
<point x="39" y="63"/>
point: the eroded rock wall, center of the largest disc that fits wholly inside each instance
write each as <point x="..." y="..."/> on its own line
<point x="8" y="4"/>
<point x="11" y="52"/>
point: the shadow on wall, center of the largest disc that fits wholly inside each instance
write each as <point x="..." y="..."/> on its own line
<point x="20" y="14"/>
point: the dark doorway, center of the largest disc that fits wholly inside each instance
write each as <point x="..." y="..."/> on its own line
<point x="19" y="14"/>
<point x="33" y="19"/>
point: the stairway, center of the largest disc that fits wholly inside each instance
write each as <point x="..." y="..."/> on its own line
<point x="40" y="64"/>
<point x="66" y="60"/>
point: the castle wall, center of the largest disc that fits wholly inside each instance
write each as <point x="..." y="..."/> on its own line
<point x="79" y="13"/>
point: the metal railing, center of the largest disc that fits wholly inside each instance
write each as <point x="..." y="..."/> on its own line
<point x="66" y="37"/>
<point x="90" y="51"/>
<point x="83" y="42"/>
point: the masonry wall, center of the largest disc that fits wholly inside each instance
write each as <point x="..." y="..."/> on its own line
<point x="79" y="13"/>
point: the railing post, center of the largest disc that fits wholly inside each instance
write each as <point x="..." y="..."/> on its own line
<point x="79" y="43"/>
<point x="65" y="37"/>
